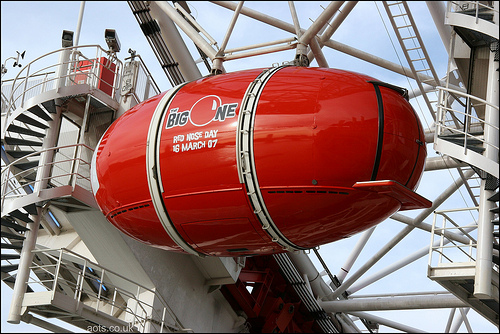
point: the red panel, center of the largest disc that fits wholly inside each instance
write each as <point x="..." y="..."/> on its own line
<point x="222" y="237"/>
<point x="403" y="155"/>
<point x="409" y="199"/>
<point x="106" y="76"/>
<point x="122" y="177"/>
<point x="106" y="71"/>
<point x="315" y="216"/>
<point x="323" y="134"/>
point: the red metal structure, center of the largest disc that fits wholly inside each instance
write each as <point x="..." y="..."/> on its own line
<point x="269" y="300"/>
<point x="261" y="161"/>
<point x="106" y="70"/>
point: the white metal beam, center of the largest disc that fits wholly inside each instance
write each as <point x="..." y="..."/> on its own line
<point x="386" y="322"/>
<point x="392" y="303"/>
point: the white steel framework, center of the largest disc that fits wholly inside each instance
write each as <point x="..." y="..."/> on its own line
<point x="53" y="116"/>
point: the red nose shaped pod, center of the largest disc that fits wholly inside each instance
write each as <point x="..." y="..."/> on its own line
<point x="261" y="161"/>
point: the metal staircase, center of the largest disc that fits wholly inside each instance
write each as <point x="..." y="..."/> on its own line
<point x="46" y="153"/>
<point x="467" y="129"/>
<point x="67" y="285"/>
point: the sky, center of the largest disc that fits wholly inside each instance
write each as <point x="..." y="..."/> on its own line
<point x="36" y="27"/>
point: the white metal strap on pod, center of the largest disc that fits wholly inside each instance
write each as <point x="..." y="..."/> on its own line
<point x="246" y="161"/>
<point x="153" y="170"/>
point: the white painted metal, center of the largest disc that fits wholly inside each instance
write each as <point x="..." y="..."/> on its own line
<point x="393" y="303"/>
<point x="246" y="161"/>
<point x="159" y="266"/>
<point x="153" y="169"/>
<point x="79" y="23"/>
<point x="344" y="270"/>
<point x="397" y="238"/>
<point x="171" y="35"/>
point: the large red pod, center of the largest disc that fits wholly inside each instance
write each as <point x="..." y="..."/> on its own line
<point x="261" y="161"/>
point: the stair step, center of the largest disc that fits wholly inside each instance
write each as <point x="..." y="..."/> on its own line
<point x="461" y="140"/>
<point x="494" y="210"/>
<point x="9" y="268"/>
<point x="50" y="106"/>
<point x="36" y="110"/>
<point x="17" y="141"/>
<point x="483" y="13"/>
<point x="27" y="165"/>
<point x="19" y="154"/>
<point x="496" y="234"/>
<point x="12" y="236"/>
<point x="10" y="256"/>
<point x="24" y="131"/>
<point x="13" y="225"/>
<point x="494" y="198"/>
<point x="461" y="135"/>
<point x="29" y="177"/>
<point x="495" y="221"/>
<point x="496" y="246"/>
<point x="476" y="149"/>
<point x="471" y="142"/>
<point x="19" y="215"/>
<point x="31" y="209"/>
<point x="11" y="280"/>
<point x="28" y="120"/>
<point x="11" y="246"/>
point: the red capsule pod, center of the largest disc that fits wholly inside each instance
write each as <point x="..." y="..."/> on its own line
<point x="261" y="161"/>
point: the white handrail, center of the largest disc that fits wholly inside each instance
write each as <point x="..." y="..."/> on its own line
<point x="20" y="91"/>
<point x="92" y="279"/>
<point x="470" y="119"/>
<point x="8" y="174"/>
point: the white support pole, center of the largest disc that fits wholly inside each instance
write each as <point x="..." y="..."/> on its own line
<point x="219" y="57"/>
<point x="295" y="19"/>
<point x="459" y="320"/>
<point x="187" y="28"/>
<point x="450" y="319"/>
<point x="304" y="265"/>
<point x="23" y="270"/>
<point x="174" y="41"/>
<point x="463" y="312"/>
<point x="79" y="24"/>
<point x="231" y="26"/>
<point x="30" y="319"/>
<point x="322" y="19"/>
<point x="438" y="11"/>
<point x="386" y="322"/>
<point x="339" y="18"/>
<point x="392" y="303"/>
<point x="428" y="228"/>
<point x="482" y="282"/>
<point x="42" y="176"/>
<point x="344" y="270"/>
<point x="400" y="264"/>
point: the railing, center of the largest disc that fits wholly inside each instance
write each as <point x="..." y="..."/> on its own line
<point x="448" y="250"/>
<point x="103" y="290"/>
<point x="70" y="166"/>
<point x="145" y="86"/>
<point x="64" y="67"/>
<point x="461" y="117"/>
<point x="473" y="8"/>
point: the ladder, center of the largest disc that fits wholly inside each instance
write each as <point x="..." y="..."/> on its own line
<point x="413" y="47"/>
